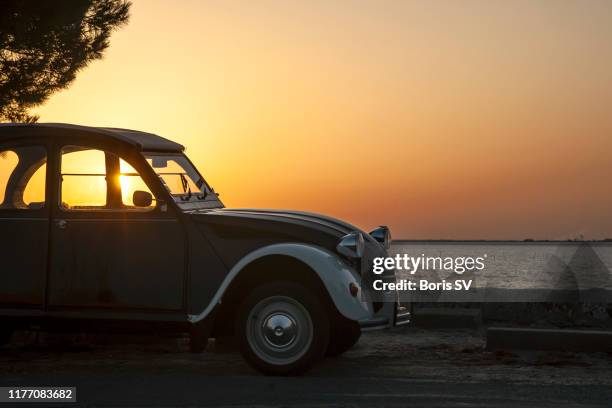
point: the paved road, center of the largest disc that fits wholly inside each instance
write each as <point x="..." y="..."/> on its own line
<point x="405" y="367"/>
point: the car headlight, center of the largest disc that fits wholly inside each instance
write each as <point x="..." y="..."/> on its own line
<point x="383" y="235"/>
<point x="351" y="245"/>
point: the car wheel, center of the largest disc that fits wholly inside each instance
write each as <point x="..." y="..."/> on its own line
<point x="282" y="329"/>
<point x="343" y="337"/>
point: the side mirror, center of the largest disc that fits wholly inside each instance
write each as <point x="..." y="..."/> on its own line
<point x="142" y="198"/>
<point x="159" y="162"/>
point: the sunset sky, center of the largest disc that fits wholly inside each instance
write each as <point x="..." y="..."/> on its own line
<point x="441" y="119"/>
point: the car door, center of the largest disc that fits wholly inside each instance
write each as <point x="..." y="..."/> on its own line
<point x="24" y="225"/>
<point x="107" y="252"/>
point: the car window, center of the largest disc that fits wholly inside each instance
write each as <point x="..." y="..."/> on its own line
<point x="34" y="191"/>
<point x="182" y="180"/>
<point x="22" y="178"/>
<point x="83" y="179"/>
<point x="93" y="179"/>
<point x="176" y="174"/>
<point x="130" y="182"/>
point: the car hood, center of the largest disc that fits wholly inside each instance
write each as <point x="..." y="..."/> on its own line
<point x="294" y="224"/>
<point x="237" y="232"/>
<point x="321" y="220"/>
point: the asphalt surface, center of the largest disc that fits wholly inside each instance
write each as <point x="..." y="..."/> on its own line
<point x="403" y="367"/>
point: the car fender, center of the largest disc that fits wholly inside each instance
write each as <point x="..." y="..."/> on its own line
<point x="335" y="275"/>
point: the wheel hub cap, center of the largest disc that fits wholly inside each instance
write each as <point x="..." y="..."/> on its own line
<point x="279" y="330"/>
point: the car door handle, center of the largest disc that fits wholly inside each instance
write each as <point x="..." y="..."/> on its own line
<point x="61" y="224"/>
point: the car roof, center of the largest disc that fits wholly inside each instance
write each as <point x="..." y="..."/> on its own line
<point x="140" y="140"/>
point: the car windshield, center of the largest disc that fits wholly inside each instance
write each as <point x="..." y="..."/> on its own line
<point x="183" y="182"/>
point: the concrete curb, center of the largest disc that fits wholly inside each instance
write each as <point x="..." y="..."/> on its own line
<point x="548" y="339"/>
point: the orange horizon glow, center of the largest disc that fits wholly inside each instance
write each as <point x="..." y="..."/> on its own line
<point x="471" y="120"/>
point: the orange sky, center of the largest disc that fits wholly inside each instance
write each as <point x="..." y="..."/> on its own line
<point x="442" y="119"/>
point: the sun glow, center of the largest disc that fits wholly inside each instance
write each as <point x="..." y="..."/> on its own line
<point x="127" y="189"/>
<point x="130" y="181"/>
<point x="431" y="117"/>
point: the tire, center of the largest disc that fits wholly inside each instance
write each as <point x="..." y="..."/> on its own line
<point x="344" y="335"/>
<point x="282" y="329"/>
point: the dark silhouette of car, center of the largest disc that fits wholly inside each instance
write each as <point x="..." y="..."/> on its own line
<point x="113" y="229"/>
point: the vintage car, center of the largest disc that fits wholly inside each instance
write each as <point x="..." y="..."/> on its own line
<point x="106" y="229"/>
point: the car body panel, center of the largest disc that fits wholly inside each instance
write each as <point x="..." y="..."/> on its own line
<point x="119" y="263"/>
<point x="333" y="272"/>
<point x="23" y="253"/>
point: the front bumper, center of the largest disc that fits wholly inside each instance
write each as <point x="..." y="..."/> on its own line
<point x="391" y="315"/>
<point x="393" y="312"/>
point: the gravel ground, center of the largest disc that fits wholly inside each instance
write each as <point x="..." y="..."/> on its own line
<point x="401" y="367"/>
